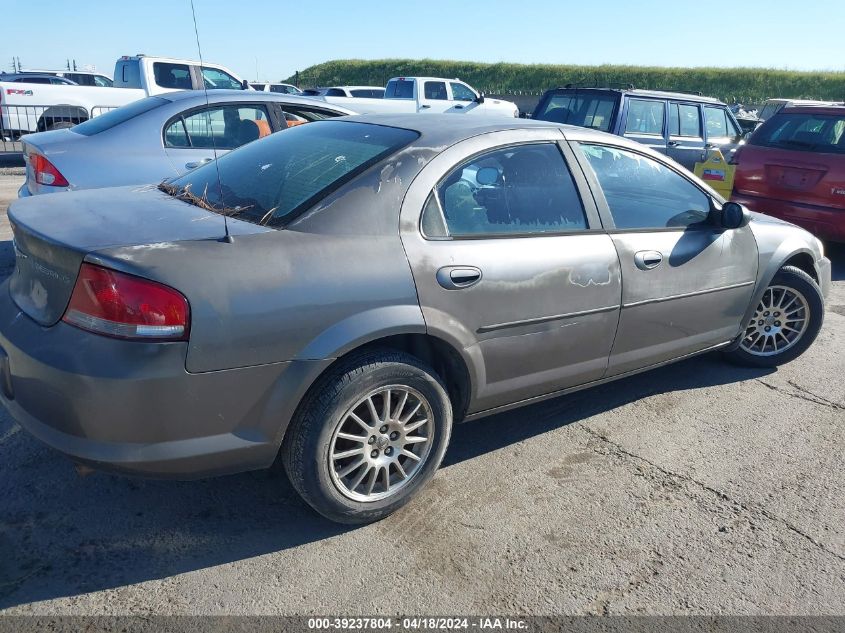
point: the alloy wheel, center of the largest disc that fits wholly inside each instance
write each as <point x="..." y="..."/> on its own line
<point x="779" y="322"/>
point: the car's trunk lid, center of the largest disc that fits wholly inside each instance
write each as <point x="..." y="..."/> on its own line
<point x="53" y="234"/>
<point x="801" y="177"/>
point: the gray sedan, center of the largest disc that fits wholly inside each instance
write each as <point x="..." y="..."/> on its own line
<point x="159" y="137"/>
<point x="345" y="291"/>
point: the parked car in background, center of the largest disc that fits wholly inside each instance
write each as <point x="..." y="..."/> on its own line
<point x="383" y="276"/>
<point x="36" y="78"/>
<point x="354" y="92"/>
<point x="50" y="107"/>
<point x="80" y="77"/>
<point x="430" y="95"/>
<point x="793" y="168"/>
<point x="285" y="89"/>
<point x="772" y="106"/>
<point x="681" y="125"/>
<point x="159" y="137"/>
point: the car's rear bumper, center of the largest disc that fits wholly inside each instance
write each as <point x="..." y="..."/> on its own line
<point x="824" y="222"/>
<point x="132" y="407"/>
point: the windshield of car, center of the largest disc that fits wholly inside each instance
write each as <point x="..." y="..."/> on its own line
<point x="118" y="115"/>
<point x="267" y="182"/>
<point x="807" y="132"/>
<point x="592" y="110"/>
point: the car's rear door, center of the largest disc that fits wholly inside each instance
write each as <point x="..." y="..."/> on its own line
<point x="686" y="141"/>
<point x="644" y="121"/>
<point x="511" y="264"/>
<point x="686" y="283"/>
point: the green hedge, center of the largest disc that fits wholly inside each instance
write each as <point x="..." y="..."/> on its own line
<point x="745" y="85"/>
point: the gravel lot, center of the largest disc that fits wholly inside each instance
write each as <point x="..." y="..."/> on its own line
<point x="699" y="488"/>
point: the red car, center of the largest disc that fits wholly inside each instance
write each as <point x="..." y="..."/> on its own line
<point x="793" y="168"/>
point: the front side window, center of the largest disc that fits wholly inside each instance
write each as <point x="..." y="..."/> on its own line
<point x="220" y="127"/>
<point x="579" y="108"/>
<point x="435" y="90"/>
<point x="717" y="123"/>
<point x="643" y="193"/>
<point x="103" y="82"/>
<point x="174" y="76"/>
<point x="526" y="189"/>
<point x="216" y="79"/>
<point x="460" y="92"/>
<point x="683" y="120"/>
<point x="269" y="182"/>
<point x="645" y="116"/>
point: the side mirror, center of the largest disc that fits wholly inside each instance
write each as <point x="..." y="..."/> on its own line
<point x="733" y="216"/>
<point x="480" y="98"/>
<point x="245" y="85"/>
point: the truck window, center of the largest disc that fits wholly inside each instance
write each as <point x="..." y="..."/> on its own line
<point x="103" y="82"/>
<point x="176" y="76"/>
<point x="399" y="89"/>
<point x="335" y="92"/>
<point x="216" y="79"/>
<point x="436" y="90"/>
<point x="369" y="93"/>
<point x="460" y="92"/>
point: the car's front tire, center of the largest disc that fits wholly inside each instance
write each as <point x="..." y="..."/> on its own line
<point x="368" y="435"/>
<point x="785" y="322"/>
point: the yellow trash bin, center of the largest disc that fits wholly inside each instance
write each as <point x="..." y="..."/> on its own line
<point x="716" y="172"/>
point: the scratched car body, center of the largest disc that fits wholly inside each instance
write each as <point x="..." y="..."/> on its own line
<point x="341" y="293"/>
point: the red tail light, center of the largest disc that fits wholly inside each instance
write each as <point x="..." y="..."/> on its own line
<point x="116" y="304"/>
<point x="46" y="173"/>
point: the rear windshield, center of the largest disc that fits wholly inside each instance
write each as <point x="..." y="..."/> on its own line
<point x="806" y="132"/>
<point x="578" y="108"/>
<point x="267" y="182"/>
<point x="118" y="115"/>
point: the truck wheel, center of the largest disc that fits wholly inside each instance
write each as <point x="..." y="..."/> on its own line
<point x="785" y="322"/>
<point x="368" y="436"/>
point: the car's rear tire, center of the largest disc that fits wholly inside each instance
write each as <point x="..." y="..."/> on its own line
<point x="785" y="323"/>
<point x="384" y="410"/>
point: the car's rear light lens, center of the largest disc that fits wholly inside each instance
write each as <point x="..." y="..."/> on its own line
<point x="45" y="172"/>
<point x="116" y="304"/>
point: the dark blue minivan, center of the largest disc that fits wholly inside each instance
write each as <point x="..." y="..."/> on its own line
<point x="681" y="125"/>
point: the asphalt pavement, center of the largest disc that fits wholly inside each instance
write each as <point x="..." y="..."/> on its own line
<point x="698" y="488"/>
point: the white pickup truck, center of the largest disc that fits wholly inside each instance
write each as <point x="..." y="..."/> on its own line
<point x="28" y="108"/>
<point x="428" y="94"/>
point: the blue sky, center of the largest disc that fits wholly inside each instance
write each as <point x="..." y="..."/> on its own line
<point x="273" y="38"/>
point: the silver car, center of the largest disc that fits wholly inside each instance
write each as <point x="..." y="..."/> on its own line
<point x="159" y="137"/>
<point x="343" y="292"/>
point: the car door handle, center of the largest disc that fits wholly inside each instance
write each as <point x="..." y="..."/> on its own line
<point x="457" y="107"/>
<point x="424" y="107"/>
<point x="673" y="143"/>
<point x="199" y="163"/>
<point x="646" y="260"/>
<point x="458" y="277"/>
<point x="709" y="145"/>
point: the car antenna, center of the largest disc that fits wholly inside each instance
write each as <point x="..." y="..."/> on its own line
<point x="227" y="237"/>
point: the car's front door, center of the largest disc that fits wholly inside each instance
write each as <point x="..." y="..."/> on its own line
<point x="512" y="266"/>
<point x="686" y="282"/>
<point x="721" y="131"/>
<point x="686" y="142"/>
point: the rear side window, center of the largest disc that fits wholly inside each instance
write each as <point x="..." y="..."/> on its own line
<point x="584" y="110"/>
<point x="803" y="132"/>
<point x="684" y="120"/>
<point x="526" y="189"/>
<point x="399" y="89"/>
<point x="270" y="181"/>
<point x="643" y="193"/>
<point x="645" y="116"/>
<point x="118" y="115"/>
<point x="221" y="127"/>
<point x="435" y="90"/>
<point x="176" y="76"/>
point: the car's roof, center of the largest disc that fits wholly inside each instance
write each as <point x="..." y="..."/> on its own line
<point x="640" y="92"/>
<point x="447" y="129"/>
<point x="222" y="96"/>
<point x="821" y="108"/>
